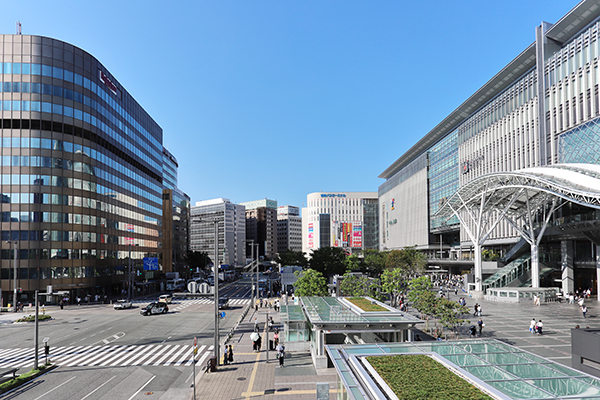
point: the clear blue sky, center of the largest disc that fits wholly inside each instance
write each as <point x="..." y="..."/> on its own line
<point x="279" y="99"/>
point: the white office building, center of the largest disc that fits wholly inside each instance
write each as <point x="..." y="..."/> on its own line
<point x="289" y="229"/>
<point x="340" y="219"/>
<point x="231" y="230"/>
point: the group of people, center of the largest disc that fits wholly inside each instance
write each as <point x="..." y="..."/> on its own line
<point x="274" y="304"/>
<point x="228" y="355"/>
<point x="476" y="310"/>
<point x="474" y="329"/>
<point x="536" y="326"/>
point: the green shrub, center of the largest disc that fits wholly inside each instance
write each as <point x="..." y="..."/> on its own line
<point x="31" y="318"/>
<point x="365" y="304"/>
<point x="419" y="377"/>
<point x="22" y="379"/>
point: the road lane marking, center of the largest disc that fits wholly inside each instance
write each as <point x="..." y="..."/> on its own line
<point x="53" y="389"/>
<point x="140" y="389"/>
<point x="167" y="354"/>
<point x="183" y="348"/>
<point x="154" y="356"/>
<point x="92" y="392"/>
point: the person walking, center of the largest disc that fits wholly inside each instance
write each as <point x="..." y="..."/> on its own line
<point x="480" y="325"/>
<point x="583" y="310"/>
<point x="230" y="355"/>
<point x="255" y="324"/>
<point x="280" y="354"/>
<point x="225" y="356"/>
<point x="475" y="307"/>
<point x="479" y="310"/>
<point x="532" y="325"/>
<point x="539" y="327"/>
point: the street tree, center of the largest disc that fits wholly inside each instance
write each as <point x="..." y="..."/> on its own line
<point x="310" y="283"/>
<point x="290" y="257"/>
<point x="328" y="261"/>
<point x="450" y="314"/>
<point x="411" y="261"/>
<point x="374" y="261"/>
<point x="355" y="286"/>
<point x="392" y="282"/>
<point x="354" y="263"/>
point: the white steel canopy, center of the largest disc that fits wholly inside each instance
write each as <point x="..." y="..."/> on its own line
<point x="520" y="197"/>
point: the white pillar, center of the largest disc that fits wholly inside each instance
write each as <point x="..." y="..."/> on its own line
<point x="566" y="257"/>
<point x="535" y="266"/>
<point x="598" y="270"/>
<point x="478" y="272"/>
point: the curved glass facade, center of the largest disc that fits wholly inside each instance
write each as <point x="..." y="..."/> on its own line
<point x="81" y="172"/>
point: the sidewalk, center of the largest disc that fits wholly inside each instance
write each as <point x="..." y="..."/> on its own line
<point x="509" y="322"/>
<point x="251" y="376"/>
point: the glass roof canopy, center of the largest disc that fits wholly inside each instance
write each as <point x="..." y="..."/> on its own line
<point x="500" y="369"/>
<point x="291" y="313"/>
<point x="329" y="310"/>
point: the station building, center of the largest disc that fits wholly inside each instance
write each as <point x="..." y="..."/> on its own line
<point x="511" y="175"/>
<point x="81" y="173"/>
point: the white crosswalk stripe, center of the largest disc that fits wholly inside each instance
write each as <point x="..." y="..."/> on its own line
<point x="125" y="355"/>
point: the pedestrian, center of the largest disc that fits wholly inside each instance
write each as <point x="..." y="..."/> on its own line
<point x="254" y="337"/>
<point x="62" y="304"/>
<point x="276" y="338"/>
<point x="539" y="326"/>
<point x="255" y="325"/>
<point x="475" y="307"/>
<point x="225" y="356"/>
<point x="480" y="325"/>
<point x="584" y="310"/>
<point x="479" y="310"/>
<point x="280" y="354"/>
<point x="230" y="355"/>
<point x="258" y="343"/>
<point x="473" y="331"/>
<point x="532" y="325"/>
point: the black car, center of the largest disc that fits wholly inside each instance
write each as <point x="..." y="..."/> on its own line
<point x="223" y="302"/>
<point x="157" y="307"/>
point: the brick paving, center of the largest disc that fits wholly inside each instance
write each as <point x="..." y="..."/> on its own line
<point x="252" y="377"/>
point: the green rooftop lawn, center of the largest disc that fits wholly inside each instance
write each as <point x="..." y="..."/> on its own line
<point x="419" y="377"/>
<point x="365" y="304"/>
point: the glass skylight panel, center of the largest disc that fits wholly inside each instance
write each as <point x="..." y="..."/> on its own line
<point x="464" y="359"/>
<point x="486" y="373"/>
<point x="519" y="390"/>
<point x="566" y="387"/>
<point x="503" y="358"/>
<point x="531" y="371"/>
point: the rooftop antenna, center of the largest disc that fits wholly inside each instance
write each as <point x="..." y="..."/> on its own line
<point x="18" y="27"/>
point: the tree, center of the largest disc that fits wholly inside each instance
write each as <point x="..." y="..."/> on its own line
<point x="411" y="261"/>
<point x="374" y="261"/>
<point x="310" y="283"/>
<point x="328" y="261"/>
<point x="392" y="282"/>
<point x="290" y="257"/>
<point x="353" y="263"/>
<point x="450" y="314"/>
<point x="353" y="285"/>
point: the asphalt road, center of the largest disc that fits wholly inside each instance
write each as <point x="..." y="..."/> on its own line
<point x="104" y="353"/>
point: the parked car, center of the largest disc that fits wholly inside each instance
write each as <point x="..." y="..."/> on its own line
<point x="157" y="307"/>
<point x="166" y="298"/>
<point x="122" y="304"/>
<point x="224" y="302"/>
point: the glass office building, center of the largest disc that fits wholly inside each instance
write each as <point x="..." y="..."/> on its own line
<point x="81" y="173"/>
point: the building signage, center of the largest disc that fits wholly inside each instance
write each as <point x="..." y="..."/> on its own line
<point x="106" y="80"/>
<point x="393" y="203"/>
<point x="474" y="163"/>
<point x="310" y="236"/>
<point x="332" y="195"/>
<point x="392" y="222"/>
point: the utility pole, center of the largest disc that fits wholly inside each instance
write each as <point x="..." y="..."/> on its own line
<point x="35" y="339"/>
<point x="216" y="291"/>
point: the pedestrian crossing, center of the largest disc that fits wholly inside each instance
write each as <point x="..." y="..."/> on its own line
<point x="184" y="303"/>
<point x="107" y="356"/>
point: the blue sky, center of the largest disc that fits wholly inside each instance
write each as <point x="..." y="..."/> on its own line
<point x="279" y="99"/>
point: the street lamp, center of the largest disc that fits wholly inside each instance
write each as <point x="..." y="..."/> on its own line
<point x="14" y="273"/>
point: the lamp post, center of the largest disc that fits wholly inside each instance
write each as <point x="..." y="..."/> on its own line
<point x="216" y="292"/>
<point x="14" y="273"/>
<point x="129" y="276"/>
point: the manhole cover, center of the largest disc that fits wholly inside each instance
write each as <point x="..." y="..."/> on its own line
<point x="241" y="378"/>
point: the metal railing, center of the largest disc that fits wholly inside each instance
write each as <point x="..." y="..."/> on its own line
<point x="508" y="273"/>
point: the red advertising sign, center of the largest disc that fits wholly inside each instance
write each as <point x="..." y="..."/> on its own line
<point x="106" y="80"/>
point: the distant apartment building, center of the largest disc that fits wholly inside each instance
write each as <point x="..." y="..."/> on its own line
<point x="289" y="229"/>
<point x="176" y="218"/>
<point x="261" y="226"/>
<point x="340" y="219"/>
<point x="231" y="230"/>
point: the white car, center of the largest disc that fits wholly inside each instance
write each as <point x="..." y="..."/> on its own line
<point x="121" y="304"/>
